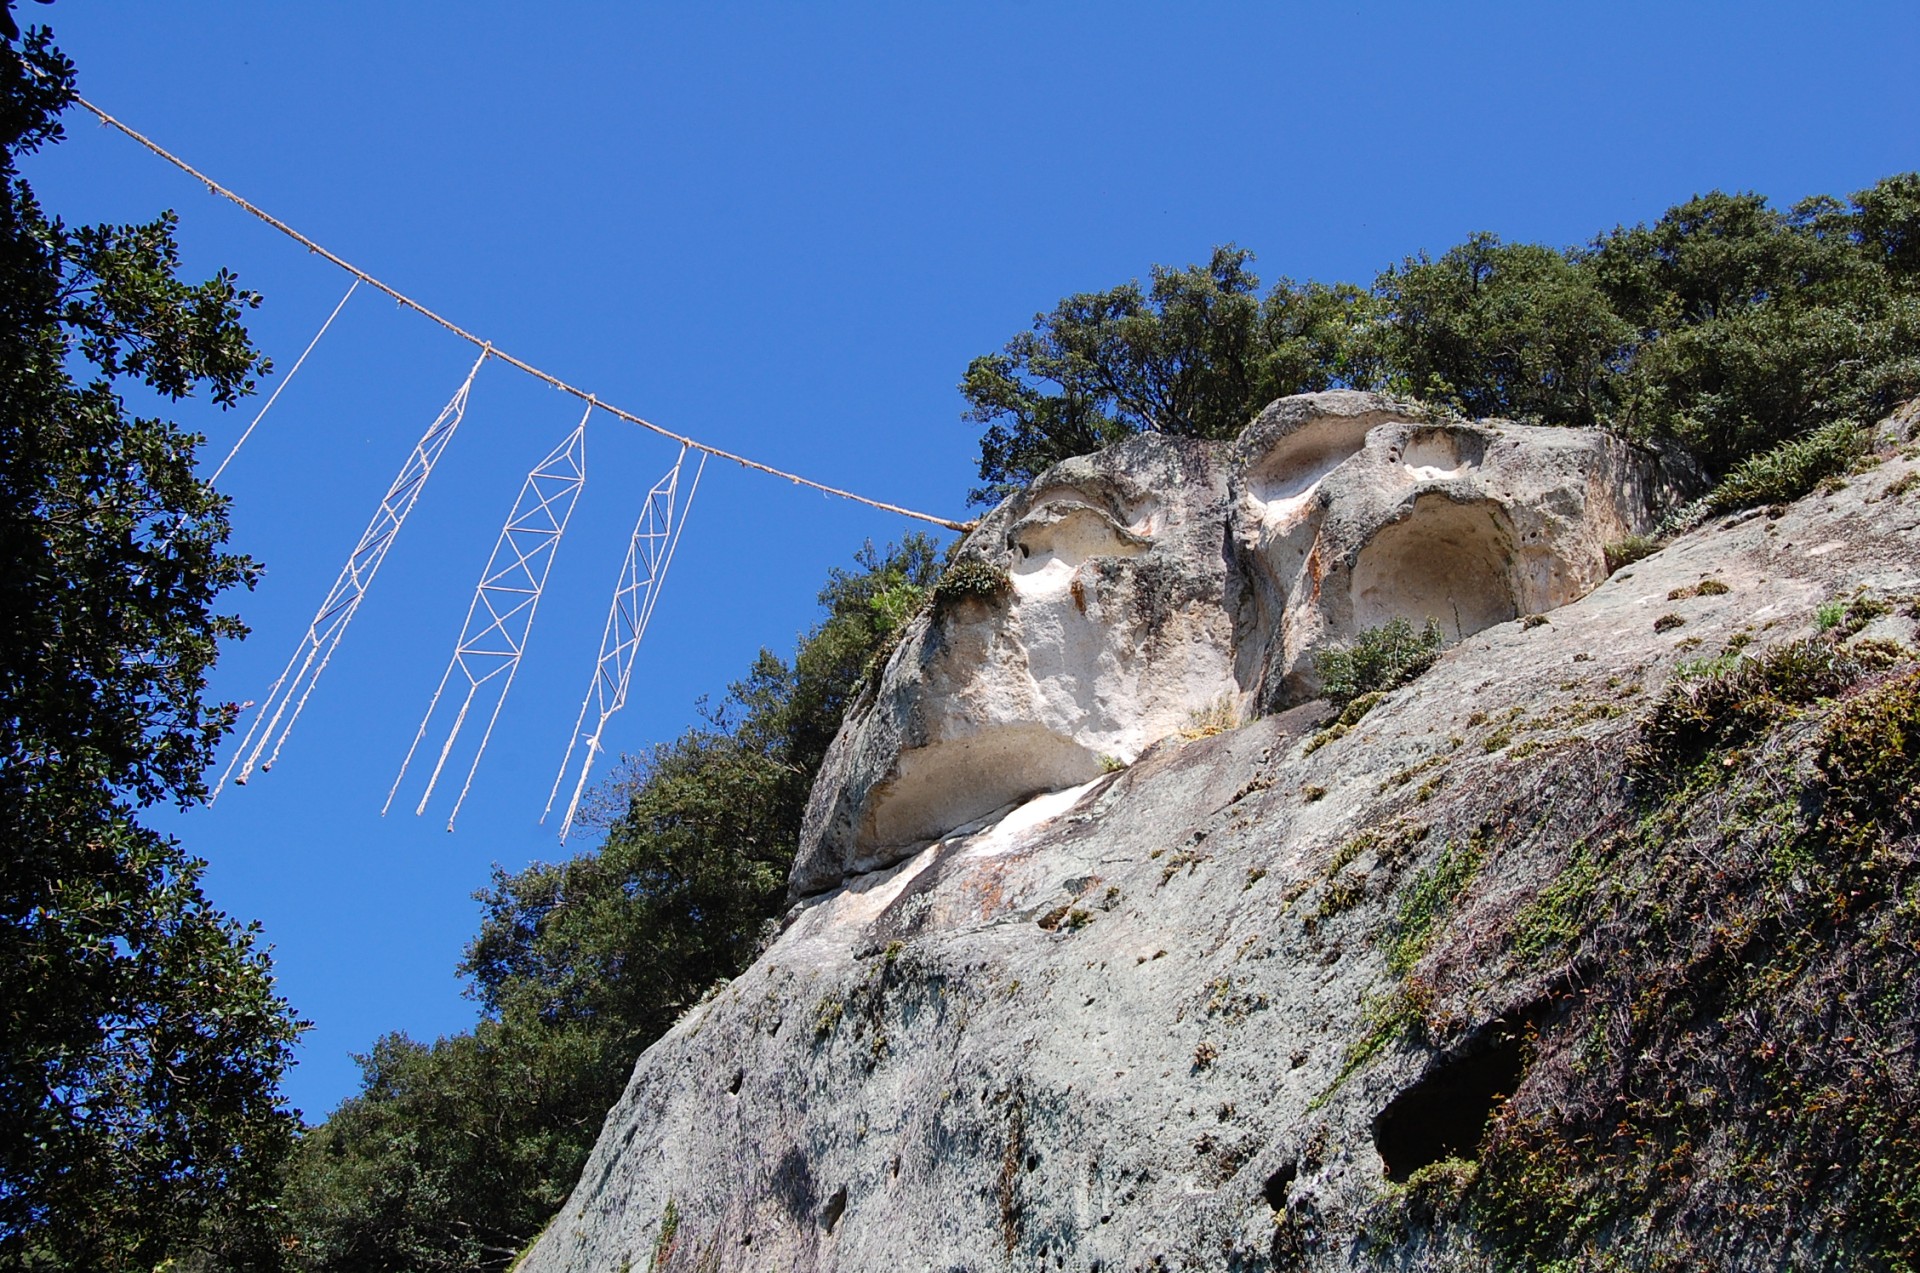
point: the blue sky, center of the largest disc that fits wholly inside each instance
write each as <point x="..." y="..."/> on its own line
<point x="784" y="229"/>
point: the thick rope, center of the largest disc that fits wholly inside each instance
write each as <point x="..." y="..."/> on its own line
<point x="360" y="274"/>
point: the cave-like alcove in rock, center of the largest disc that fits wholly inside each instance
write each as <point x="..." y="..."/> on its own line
<point x="954" y="782"/>
<point x="1444" y="561"/>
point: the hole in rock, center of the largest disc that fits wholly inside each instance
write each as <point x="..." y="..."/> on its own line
<point x="835" y="1208"/>
<point x="1062" y="533"/>
<point x="1447" y="562"/>
<point x="1278" y="1183"/>
<point x="1294" y="466"/>
<point x="1442" y="453"/>
<point x="793" y="1184"/>
<point x="956" y="781"/>
<point x="1445" y="1114"/>
<point x="739" y="1077"/>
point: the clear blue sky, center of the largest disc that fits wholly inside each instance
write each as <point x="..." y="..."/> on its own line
<point x="784" y="229"/>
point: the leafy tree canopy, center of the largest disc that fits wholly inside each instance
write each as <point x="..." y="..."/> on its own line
<point x="141" y="1042"/>
<point x="1728" y="325"/>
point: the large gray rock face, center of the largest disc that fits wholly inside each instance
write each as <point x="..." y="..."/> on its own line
<point x="1166" y="583"/>
<point x="1128" y="1024"/>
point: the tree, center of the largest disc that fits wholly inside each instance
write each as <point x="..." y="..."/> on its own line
<point x="455" y="1153"/>
<point x="1180" y="358"/>
<point x="1755" y="325"/>
<point x="141" y="1042"/>
<point x="1496" y="329"/>
<point x="1727" y="325"/>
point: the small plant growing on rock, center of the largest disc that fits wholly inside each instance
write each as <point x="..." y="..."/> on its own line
<point x="1790" y="470"/>
<point x="1668" y="622"/>
<point x="1437" y="1190"/>
<point x="971" y="579"/>
<point x="1722" y="702"/>
<point x="1377" y="660"/>
<point x="1217" y="717"/>
<point x="1624" y="552"/>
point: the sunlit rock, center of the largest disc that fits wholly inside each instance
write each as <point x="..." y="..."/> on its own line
<point x="1168" y="584"/>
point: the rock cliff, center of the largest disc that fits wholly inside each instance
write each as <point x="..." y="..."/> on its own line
<point x="1110" y="950"/>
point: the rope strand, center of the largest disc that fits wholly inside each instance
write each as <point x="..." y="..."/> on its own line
<point x="285" y="381"/>
<point x="221" y="191"/>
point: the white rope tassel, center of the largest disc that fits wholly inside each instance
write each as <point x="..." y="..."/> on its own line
<point x="329" y="625"/>
<point x="285" y="381"/>
<point x="500" y="616"/>
<point x="649" y="553"/>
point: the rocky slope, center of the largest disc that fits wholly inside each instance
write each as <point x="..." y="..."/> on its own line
<point x="1110" y="950"/>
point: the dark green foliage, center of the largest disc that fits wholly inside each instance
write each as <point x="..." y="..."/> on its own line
<point x="1194" y="355"/>
<point x="1785" y="472"/>
<point x="1514" y="330"/>
<point x="1727" y="325"/>
<point x="453" y="1156"/>
<point x="141" y="1043"/>
<point x="1379" y="659"/>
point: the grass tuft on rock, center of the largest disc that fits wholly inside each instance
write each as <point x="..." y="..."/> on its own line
<point x="1378" y="660"/>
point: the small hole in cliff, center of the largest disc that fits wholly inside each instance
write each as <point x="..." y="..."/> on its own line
<point x="835" y="1208"/>
<point x="1278" y="1183"/>
<point x="739" y="1077"/>
<point x="1033" y="1160"/>
<point x="1446" y="1113"/>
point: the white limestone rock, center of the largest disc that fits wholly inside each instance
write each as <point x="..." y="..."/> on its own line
<point x="1353" y="510"/>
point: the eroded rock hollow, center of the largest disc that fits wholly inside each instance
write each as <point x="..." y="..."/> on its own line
<point x="1165" y="583"/>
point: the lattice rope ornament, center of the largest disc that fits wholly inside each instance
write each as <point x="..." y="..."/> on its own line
<point x="656" y="534"/>
<point x="500" y="617"/>
<point x="287" y="697"/>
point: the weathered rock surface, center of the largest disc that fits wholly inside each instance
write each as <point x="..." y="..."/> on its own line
<point x="1121" y="1026"/>
<point x="1352" y="510"/>
<point x="1167" y="581"/>
<point x="1112" y="631"/>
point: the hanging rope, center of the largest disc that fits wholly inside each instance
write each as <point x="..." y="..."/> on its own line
<point x="330" y="622"/>
<point x="285" y="381"/>
<point x="656" y="534"/>
<point x="500" y="617"/>
<point x="222" y="192"/>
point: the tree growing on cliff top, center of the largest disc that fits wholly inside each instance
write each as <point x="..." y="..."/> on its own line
<point x="141" y="1042"/>
<point x="1727" y="325"/>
